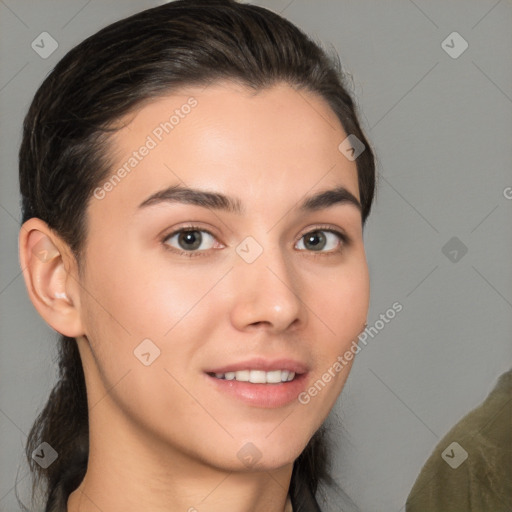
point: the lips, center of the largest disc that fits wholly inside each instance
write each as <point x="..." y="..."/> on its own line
<point x="267" y="396"/>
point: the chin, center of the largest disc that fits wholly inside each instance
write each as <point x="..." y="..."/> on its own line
<point x="269" y="453"/>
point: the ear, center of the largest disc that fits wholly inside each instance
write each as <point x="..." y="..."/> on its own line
<point x="50" y="272"/>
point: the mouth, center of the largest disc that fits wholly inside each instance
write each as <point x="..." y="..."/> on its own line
<point x="260" y="381"/>
<point x="257" y="376"/>
<point x="258" y="388"/>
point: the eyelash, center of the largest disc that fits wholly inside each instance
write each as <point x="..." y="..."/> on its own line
<point x="191" y="254"/>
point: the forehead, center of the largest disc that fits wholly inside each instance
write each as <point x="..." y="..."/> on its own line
<point x="275" y="142"/>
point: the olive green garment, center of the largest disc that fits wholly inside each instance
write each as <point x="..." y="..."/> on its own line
<point x="482" y="482"/>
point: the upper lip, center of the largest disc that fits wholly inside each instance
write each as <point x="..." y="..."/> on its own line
<point x="260" y="363"/>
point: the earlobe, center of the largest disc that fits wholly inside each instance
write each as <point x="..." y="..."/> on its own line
<point x="45" y="261"/>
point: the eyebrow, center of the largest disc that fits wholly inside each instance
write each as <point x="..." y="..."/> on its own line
<point x="218" y="201"/>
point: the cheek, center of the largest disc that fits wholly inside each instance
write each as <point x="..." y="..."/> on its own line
<point x="343" y="297"/>
<point x="145" y="298"/>
<point x="339" y="308"/>
<point x="136" y="300"/>
<point x="129" y="302"/>
<point x="340" y="304"/>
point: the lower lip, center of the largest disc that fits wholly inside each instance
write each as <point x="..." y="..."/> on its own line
<point x="269" y="396"/>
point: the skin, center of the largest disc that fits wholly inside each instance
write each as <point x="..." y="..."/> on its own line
<point x="162" y="438"/>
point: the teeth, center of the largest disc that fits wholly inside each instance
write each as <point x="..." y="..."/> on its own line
<point x="258" y="376"/>
<point x="273" y="377"/>
<point x="243" y="375"/>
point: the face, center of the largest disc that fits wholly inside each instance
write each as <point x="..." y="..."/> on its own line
<point x="178" y="285"/>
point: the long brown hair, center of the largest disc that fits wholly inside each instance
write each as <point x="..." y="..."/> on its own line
<point x="64" y="155"/>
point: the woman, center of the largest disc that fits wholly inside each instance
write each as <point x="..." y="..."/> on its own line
<point x="195" y="184"/>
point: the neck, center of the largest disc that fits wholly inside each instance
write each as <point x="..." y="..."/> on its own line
<point x="132" y="473"/>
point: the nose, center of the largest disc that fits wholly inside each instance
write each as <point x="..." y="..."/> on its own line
<point x="267" y="293"/>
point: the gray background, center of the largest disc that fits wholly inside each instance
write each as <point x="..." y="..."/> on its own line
<point x="442" y="131"/>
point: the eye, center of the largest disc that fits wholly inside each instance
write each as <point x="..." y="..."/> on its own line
<point x="194" y="241"/>
<point x="320" y="239"/>
<point x="189" y="240"/>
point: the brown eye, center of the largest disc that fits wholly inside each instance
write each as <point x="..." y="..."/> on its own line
<point x="190" y="239"/>
<point x="321" y="239"/>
